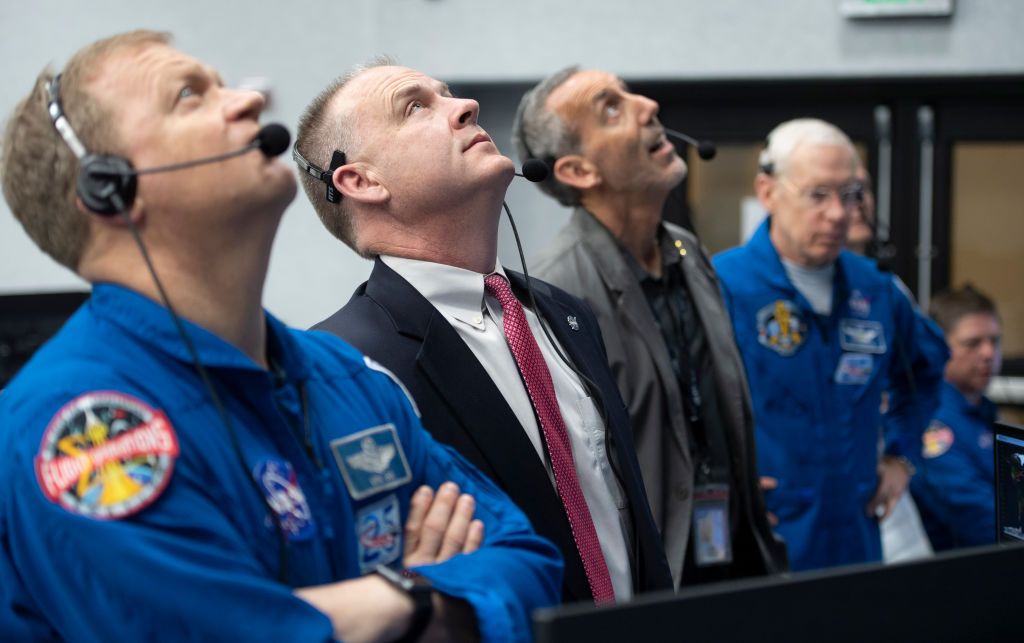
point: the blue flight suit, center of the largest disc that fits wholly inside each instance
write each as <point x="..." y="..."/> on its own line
<point x="128" y="511"/>
<point x="954" y="487"/>
<point x="817" y="383"/>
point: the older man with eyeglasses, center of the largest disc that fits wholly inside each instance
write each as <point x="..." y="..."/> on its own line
<point x="823" y="333"/>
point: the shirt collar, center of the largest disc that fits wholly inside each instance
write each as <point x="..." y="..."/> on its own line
<point x="670" y="256"/>
<point x="952" y="398"/>
<point x="150" y="323"/>
<point x="457" y="293"/>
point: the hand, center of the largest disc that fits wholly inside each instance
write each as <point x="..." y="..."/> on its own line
<point x="440" y="525"/>
<point x="893" y="477"/>
<point x="768" y="483"/>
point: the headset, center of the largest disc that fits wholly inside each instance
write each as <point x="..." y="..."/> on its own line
<point x="326" y="176"/>
<point x="106" y="183"/>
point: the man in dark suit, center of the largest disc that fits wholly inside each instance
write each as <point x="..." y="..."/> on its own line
<point x="399" y="170"/>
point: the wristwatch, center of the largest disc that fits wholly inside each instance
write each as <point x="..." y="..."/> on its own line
<point x="420" y="590"/>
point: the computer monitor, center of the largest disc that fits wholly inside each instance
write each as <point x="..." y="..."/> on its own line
<point x="1009" y="472"/>
<point x="962" y="595"/>
<point x="27" y="321"/>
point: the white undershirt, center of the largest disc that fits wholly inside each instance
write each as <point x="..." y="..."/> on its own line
<point x="459" y="296"/>
<point x="815" y="284"/>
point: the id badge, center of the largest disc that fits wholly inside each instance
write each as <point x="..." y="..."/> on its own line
<point x="711" y="534"/>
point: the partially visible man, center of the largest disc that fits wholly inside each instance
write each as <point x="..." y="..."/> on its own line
<point x="413" y="181"/>
<point x="212" y="474"/>
<point x="823" y="332"/>
<point x="861" y="232"/>
<point x="954" y="487"/>
<point x="666" y="330"/>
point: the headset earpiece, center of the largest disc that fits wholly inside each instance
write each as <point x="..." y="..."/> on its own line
<point x="106" y="184"/>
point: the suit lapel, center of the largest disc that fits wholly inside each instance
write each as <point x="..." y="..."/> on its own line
<point x="729" y="373"/>
<point x="631" y="302"/>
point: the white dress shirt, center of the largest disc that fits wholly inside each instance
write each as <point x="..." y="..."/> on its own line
<point x="460" y="297"/>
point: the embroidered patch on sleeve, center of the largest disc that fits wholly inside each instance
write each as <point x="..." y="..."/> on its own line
<point x="937" y="440"/>
<point x="371" y="461"/>
<point x="106" y="455"/>
<point x="379" y="531"/>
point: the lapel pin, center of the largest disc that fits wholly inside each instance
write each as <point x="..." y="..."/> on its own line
<point x="573" y="324"/>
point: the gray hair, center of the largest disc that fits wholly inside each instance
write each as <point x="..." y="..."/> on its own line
<point x="321" y="131"/>
<point x="787" y="136"/>
<point x="540" y="133"/>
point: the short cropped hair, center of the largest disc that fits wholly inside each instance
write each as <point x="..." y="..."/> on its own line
<point x="540" y="133"/>
<point x="786" y="137"/>
<point x="949" y="307"/>
<point x="38" y="170"/>
<point x="321" y="131"/>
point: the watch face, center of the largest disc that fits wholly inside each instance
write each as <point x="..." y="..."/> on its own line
<point x="408" y="584"/>
<point x="407" y="581"/>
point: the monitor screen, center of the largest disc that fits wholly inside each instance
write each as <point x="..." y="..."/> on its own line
<point x="1009" y="470"/>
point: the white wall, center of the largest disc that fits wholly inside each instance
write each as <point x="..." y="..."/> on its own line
<point x="299" y="46"/>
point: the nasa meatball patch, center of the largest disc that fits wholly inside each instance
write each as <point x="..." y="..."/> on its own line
<point x="106" y="455"/>
<point x="280" y="485"/>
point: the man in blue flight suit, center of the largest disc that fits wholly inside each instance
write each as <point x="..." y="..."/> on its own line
<point x="250" y="481"/>
<point x="823" y="332"/>
<point x="954" y="486"/>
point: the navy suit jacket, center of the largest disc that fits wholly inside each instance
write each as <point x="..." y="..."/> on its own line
<point x="392" y="323"/>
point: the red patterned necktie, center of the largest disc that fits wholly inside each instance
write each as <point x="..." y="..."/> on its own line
<point x="535" y="374"/>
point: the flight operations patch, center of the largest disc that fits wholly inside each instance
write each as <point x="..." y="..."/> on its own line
<point x="106" y="455"/>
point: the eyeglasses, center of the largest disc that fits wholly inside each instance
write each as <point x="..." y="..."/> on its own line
<point x="850" y="195"/>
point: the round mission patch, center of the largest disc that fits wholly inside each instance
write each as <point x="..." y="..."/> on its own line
<point x="106" y="455"/>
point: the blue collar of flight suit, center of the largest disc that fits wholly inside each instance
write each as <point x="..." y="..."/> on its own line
<point x="150" y="323"/>
<point x="954" y="401"/>
<point x="768" y="264"/>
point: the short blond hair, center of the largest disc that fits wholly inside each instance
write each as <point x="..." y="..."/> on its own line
<point x="39" y="171"/>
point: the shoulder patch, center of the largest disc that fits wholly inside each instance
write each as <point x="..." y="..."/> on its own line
<point x="106" y="455"/>
<point x="937" y="439"/>
<point x="374" y="365"/>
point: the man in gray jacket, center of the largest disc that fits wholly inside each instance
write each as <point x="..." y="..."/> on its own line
<point x="656" y="297"/>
